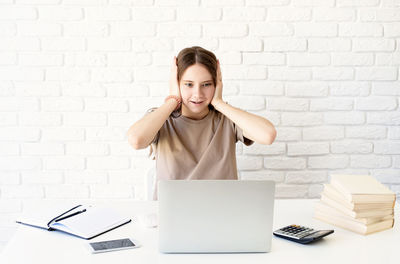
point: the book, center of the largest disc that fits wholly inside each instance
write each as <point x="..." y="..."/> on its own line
<point x="82" y="221"/>
<point x="355" y="214"/>
<point x="333" y="194"/>
<point x="354" y="226"/>
<point x="362" y="189"/>
<point x="328" y="210"/>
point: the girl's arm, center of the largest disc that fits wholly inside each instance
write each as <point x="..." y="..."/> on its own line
<point x="254" y="127"/>
<point x="142" y="133"/>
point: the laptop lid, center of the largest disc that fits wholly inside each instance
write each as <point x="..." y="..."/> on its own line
<point x="215" y="216"/>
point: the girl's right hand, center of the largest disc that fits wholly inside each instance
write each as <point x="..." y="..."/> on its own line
<point x="173" y="81"/>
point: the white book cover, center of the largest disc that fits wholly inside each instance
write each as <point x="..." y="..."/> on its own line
<point x="361" y="188"/>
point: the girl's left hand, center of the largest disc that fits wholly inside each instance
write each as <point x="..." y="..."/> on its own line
<point x="218" y="88"/>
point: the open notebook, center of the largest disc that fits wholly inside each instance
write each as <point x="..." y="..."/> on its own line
<point x="83" y="221"/>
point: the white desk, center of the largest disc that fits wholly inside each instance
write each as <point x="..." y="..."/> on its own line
<point x="31" y="245"/>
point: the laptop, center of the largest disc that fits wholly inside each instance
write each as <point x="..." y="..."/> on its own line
<point x="215" y="216"/>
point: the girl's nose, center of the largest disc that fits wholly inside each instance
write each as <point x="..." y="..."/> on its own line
<point x="197" y="90"/>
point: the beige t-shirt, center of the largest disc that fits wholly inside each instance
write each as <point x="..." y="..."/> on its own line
<point x="185" y="148"/>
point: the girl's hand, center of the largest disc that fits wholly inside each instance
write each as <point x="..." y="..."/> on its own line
<point x="173" y="81"/>
<point x="218" y="88"/>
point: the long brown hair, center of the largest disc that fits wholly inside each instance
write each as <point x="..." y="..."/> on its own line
<point x="188" y="57"/>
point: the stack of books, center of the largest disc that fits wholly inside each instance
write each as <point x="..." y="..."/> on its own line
<point x="358" y="203"/>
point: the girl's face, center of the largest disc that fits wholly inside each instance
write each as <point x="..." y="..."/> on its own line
<point x="197" y="91"/>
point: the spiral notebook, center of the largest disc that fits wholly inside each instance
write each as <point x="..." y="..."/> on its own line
<point x="82" y="221"/>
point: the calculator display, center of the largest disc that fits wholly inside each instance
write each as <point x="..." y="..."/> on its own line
<point x="319" y="233"/>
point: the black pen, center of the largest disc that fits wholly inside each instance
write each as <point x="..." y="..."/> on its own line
<point x="76" y="213"/>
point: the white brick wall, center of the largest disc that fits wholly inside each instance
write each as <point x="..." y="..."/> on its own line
<point x="74" y="75"/>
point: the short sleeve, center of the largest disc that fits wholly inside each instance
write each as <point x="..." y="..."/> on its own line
<point x="239" y="135"/>
<point x="157" y="136"/>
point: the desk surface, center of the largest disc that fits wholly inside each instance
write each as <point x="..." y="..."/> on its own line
<point x="31" y="245"/>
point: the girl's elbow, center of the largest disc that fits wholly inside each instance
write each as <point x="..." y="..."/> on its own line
<point x="273" y="136"/>
<point x="270" y="138"/>
<point x="135" y="142"/>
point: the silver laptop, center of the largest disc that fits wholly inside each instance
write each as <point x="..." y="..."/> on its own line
<point x="215" y="216"/>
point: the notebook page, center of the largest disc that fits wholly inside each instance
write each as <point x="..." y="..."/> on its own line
<point x="92" y="222"/>
<point x="40" y="217"/>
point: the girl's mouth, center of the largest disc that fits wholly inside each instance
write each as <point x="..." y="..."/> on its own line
<point x="196" y="102"/>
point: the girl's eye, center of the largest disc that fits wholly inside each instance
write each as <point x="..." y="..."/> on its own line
<point x="191" y="84"/>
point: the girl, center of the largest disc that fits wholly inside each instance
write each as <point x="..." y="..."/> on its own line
<point x="193" y="134"/>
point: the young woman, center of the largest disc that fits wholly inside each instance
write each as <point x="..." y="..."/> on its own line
<point x="193" y="134"/>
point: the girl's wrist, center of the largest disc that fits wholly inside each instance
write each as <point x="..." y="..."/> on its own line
<point x="176" y="98"/>
<point x="216" y="103"/>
